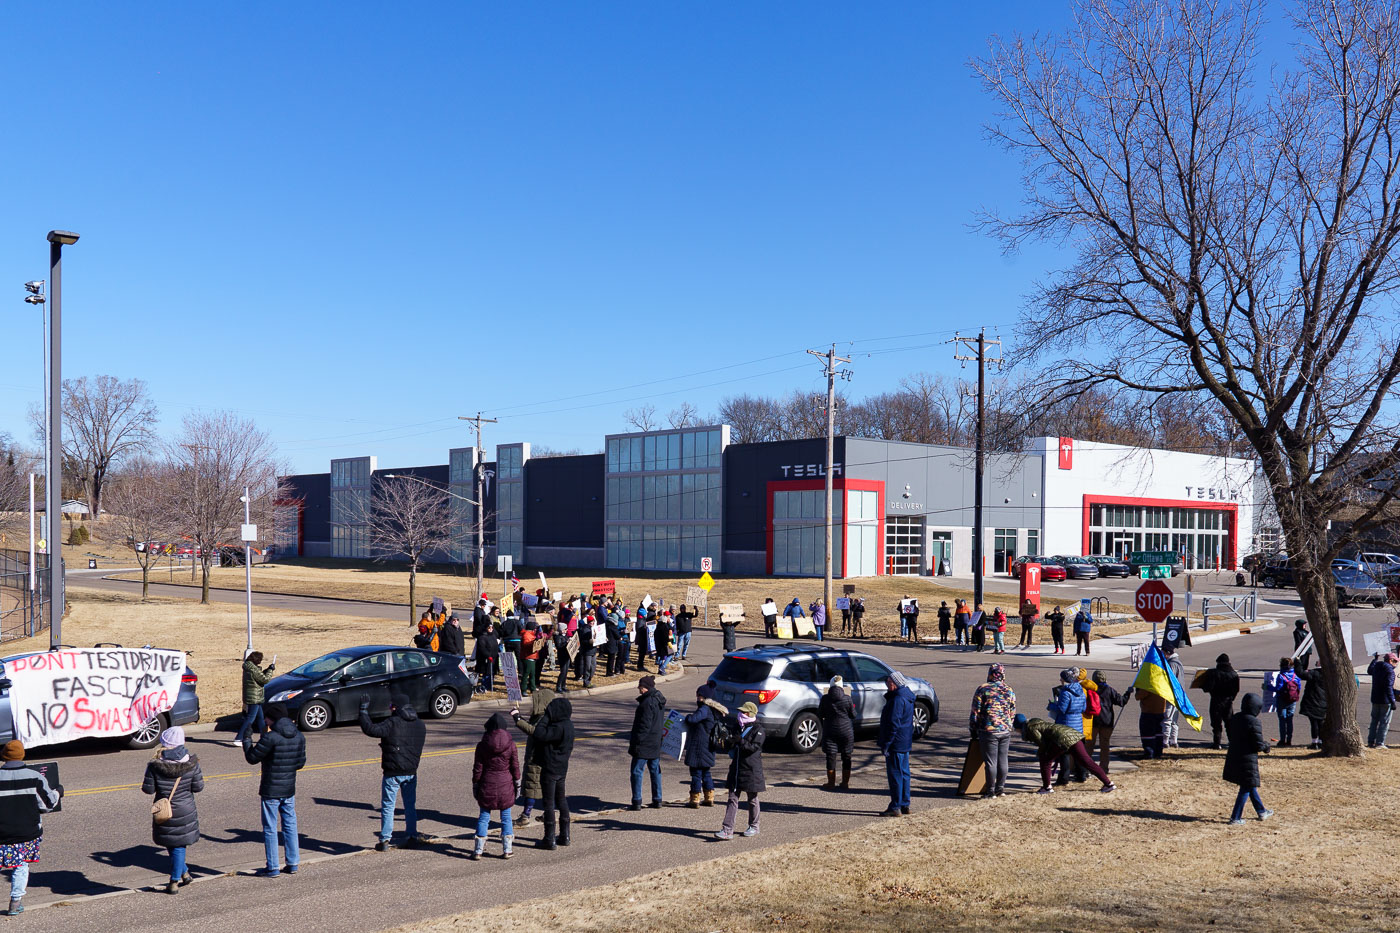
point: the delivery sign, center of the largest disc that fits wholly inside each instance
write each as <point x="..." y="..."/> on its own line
<point x="78" y="693"/>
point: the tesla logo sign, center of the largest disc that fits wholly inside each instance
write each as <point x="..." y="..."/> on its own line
<point x="1066" y="453"/>
<point x="1030" y="585"/>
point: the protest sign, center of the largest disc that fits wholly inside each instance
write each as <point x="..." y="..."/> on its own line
<point x="544" y="584"/>
<point x="803" y="626"/>
<point x="511" y="676"/>
<point x="571" y="646"/>
<point x="673" y="735"/>
<point x="646" y="601"/>
<point x="784" y="627"/>
<point x="731" y="613"/>
<point x="1346" y="635"/>
<point x="604" y="587"/>
<point x="1377" y="642"/>
<point x="906" y="606"/>
<point x="78" y="693"/>
<point x="696" y="596"/>
<point x="843" y="602"/>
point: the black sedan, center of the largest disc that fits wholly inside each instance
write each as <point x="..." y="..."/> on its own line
<point x="1077" y="568"/>
<point x="328" y="689"/>
<point x="1110" y="566"/>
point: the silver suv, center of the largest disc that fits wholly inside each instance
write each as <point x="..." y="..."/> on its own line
<point x="787" y="682"/>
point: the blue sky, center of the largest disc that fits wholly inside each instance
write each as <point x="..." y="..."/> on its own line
<point x="354" y="222"/>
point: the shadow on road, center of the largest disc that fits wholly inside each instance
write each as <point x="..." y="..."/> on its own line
<point x="462" y="820"/>
<point x="308" y="843"/>
<point x="1139" y="814"/>
<point x="69" y="883"/>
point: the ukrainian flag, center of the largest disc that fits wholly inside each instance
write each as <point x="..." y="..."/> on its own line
<point x="1156" y="677"/>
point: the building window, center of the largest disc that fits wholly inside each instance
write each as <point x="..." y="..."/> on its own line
<point x="1003" y="549"/>
<point x="904" y="544"/>
<point x="676" y="497"/>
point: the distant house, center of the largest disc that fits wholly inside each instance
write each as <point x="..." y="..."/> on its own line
<point x="74" y="508"/>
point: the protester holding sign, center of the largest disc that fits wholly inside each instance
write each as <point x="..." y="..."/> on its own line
<point x="554" y="740"/>
<point x="769" y="611"/>
<point x="745" y="770"/>
<point x="1383" y="696"/>
<point x="685" y="619"/>
<point x="530" y="789"/>
<point x="25" y="794"/>
<point x="174" y="776"/>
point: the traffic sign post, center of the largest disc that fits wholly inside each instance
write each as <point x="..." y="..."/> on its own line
<point x="1154" y="602"/>
<point x="707" y="564"/>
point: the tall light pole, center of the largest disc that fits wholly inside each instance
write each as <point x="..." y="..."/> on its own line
<point x="830" y="359"/>
<point x="480" y="497"/>
<point x="247" y="533"/>
<point x="36" y="297"/>
<point x="54" y="487"/>
<point x="978" y="532"/>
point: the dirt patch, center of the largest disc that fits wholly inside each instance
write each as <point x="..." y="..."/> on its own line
<point x="1156" y="855"/>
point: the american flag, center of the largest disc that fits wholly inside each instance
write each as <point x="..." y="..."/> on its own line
<point x="515" y="581"/>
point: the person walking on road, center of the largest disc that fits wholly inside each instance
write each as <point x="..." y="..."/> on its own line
<point x="1054" y="742"/>
<point x="993" y="711"/>
<point x="1242" y="758"/>
<point x="896" y="739"/>
<point x="554" y="745"/>
<point x="25" y="795"/>
<point x="838" y="716"/>
<point x="1287" y="689"/>
<point x="945" y="622"/>
<point x="495" y="773"/>
<point x="1383" y="695"/>
<point x="645" y="743"/>
<point x="255" y="678"/>
<point x="1107" y="717"/>
<point x="282" y="753"/>
<point x="1057" y="629"/>
<point x="174" y="775"/>
<point x="1314" y="702"/>
<point x="699" y="756"/>
<point x="1028" y="619"/>
<point x="401" y="736"/>
<point x="745" y="770"/>
<point x="1223" y="685"/>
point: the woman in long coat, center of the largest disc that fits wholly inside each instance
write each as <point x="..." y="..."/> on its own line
<point x="495" y="774"/>
<point x="174" y="774"/>
<point x="838" y="732"/>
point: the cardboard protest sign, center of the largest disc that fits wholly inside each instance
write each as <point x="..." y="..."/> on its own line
<point x="803" y="626"/>
<point x="784" y="627"/>
<point x="731" y="613"/>
<point x="544" y="584"/>
<point x="78" y="693"/>
<point x="604" y="587"/>
<point x="673" y="735"/>
<point x="843" y="602"/>
<point x="646" y="601"/>
<point x="695" y="596"/>
<point x="571" y="646"/>
<point x="511" y="675"/>
<point x="906" y="606"/>
<point x="1377" y="642"/>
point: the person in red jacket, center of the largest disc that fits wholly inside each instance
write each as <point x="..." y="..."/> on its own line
<point x="495" y="774"/>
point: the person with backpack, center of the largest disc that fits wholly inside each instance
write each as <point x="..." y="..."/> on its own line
<point x="1242" y="758"/>
<point x="174" y="777"/>
<point x="1108" y="701"/>
<point x="1223" y="685"/>
<point x="1054" y="742"/>
<point x="25" y="795"/>
<point x="401" y="737"/>
<point x="945" y="622"/>
<point x="644" y="743"/>
<point x="282" y="753"/>
<point x="993" y="711"/>
<point x="554" y="743"/>
<point x="495" y="772"/>
<point x="1383" y="694"/>
<point x="745" y="770"/>
<point x="699" y="754"/>
<point x="255" y="678"/>
<point x="1314" y="702"/>
<point x="1287" y="688"/>
<point x="838" y="716"/>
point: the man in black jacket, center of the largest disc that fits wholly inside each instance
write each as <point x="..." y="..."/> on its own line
<point x="282" y="753"/>
<point x="450" y="638"/>
<point x="481" y="619"/>
<point x="645" y="743"/>
<point x="1223" y="685"/>
<point x="554" y="737"/>
<point x="401" y="739"/>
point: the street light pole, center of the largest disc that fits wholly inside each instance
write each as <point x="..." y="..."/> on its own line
<point x="248" y="567"/>
<point x="830" y="359"/>
<point x="53" y="489"/>
<point x="480" y="497"/>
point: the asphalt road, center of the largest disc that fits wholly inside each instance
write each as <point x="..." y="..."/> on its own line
<point x="97" y="852"/>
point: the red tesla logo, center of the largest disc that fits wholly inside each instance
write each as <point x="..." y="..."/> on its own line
<point x="1066" y="453"/>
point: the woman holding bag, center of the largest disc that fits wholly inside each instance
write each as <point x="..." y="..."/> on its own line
<point x="173" y="776"/>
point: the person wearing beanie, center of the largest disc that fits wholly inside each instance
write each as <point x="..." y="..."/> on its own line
<point x="838" y="716"/>
<point x="644" y="745"/>
<point x="699" y="756"/>
<point x="1300" y="635"/>
<point x="1107" y="716"/>
<point x="1223" y="685"/>
<point x="745" y="769"/>
<point x="401" y="737"/>
<point x="1052" y="742"/>
<point x="1242" y="758"/>
<point x="1287" y="689"/>
<point x="174" y="775"/>
<point x="282" y="753"/>
<point x="1068" y="701"/>
<point x="25" y="794"/>
<point x="993" y="712"/>
<point x="896" y="739"/>
<point x="495" y="774"/>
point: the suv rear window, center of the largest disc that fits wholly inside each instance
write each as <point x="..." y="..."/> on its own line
<point x="804" y="672"/>
<point x="736" y="670"/>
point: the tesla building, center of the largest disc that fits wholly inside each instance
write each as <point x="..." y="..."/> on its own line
<point x="664" y="500"/>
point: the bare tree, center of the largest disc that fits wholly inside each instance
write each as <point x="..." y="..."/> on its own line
<point x="104" y="420"/>
<point x="643" y="417"/>
<point x="683" y="416"/>
<point x="15" y="464"/>
<point x="1236" y="241"/>
<point x="215" y="456"/>
<point x="752" y="419"/>
<point x="409" y="520"/>
<point x="139" y="503"/>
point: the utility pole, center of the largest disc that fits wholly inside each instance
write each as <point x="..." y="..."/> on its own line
<point x="978" y="544"/>
<point x="478" y="467"/>
<point x="829" y="361"/>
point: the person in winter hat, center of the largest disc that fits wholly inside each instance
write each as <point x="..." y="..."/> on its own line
<point x="644" y="744"/>
<point x="993" y="712"/>
<point x="1223" y="685"/>
<point x="25" y="795"/>
<point x="1107" y="717"/>
<point x="255" y="678"/>
<point x="896" y="739"/>
<point x="838" y="717"/>
<point x="495" y="774"/>
<point x="174" y="775"/>
<point x="1242" y="758"/>
<point x="1068" y="702"/>
<point x="745" y="770"/>
<point x="699" y="756"/>
<point x="1053" y="742"/>
<point x="401" y="737"/>
<point x="281" y="751"/>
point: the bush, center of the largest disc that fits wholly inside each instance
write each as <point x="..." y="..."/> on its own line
<point x="84" y="534"/>
<point x="75" y="537"/>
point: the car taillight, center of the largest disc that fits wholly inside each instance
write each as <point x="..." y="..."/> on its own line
<point x="190" y="679"/>
<point x="764" y="696"/>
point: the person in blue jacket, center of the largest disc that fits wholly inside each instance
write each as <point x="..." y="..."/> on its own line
<point x="699" y="756"/>
<point x="1383" y="696"/>
<point x="1067" y="703"/>
<point x="896" y="739"/>
<point x="794" y="612"/>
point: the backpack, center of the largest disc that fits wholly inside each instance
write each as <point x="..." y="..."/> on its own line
<point x="1287" y="691"/>
<point x="720" y="737"/>
<point x="1092" y="705"/>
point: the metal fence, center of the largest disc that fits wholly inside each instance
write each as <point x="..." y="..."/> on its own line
<point x="23" y="611"/>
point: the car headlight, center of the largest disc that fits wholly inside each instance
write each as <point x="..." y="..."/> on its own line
<point x="284" y="696"/>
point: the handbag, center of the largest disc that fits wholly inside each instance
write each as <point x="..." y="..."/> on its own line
<point x="161" y="811"/>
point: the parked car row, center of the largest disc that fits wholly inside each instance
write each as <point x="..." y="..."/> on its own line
<point x="1065" y="567"/>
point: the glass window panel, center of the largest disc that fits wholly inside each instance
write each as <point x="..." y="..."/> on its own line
<point x="780" y="505"/>
<point x="714" y="444"/>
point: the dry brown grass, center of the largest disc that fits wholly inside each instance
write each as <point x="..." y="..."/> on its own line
<point x="1157" y="855"/>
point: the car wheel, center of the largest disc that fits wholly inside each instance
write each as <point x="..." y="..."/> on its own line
<point x="1267" y="581"/>
<point x="1378" y="602"/>
<point x="806" y="733"/>
<point x="149" y="734"/>
<point x="444" y="703"/>
<point x="923" y="718"/>
<point x="314" y="717"/>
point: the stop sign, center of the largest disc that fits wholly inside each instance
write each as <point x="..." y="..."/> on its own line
<point x="1154" y="601"/>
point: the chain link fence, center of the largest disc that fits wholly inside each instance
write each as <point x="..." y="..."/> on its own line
<point x="23" y="611"/>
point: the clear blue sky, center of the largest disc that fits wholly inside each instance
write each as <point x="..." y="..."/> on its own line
<point x="354" y="222"/>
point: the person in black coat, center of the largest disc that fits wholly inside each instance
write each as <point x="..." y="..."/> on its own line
<point x="587" y="651"/>
<point x="282" y="753"/>
<point x="1314" y="702"/>
<point x="481" y="619"/>
<point x="561" y="654"/>
<point x="745" y="770"/>
<point x="1242" y="757"/>
<point x="699" y="756"/>
<point x="639" y="638"/>
<point x="645" y="743"/>
<point x="174" y="775"/>
<point x="1223" y="685"/>
<point x="617" y="661"/>
<point x="485" y="653"/>
<point x="945" y="622"/>
<point x="838" y="718"/>
<point x="554" y="738"/>
<point x="401" y="738"/>
<point x="1300" y="635"/>
<point x="451" y="640"/>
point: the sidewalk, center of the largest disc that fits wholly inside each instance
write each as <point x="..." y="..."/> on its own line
<point x="1119" y="647"/>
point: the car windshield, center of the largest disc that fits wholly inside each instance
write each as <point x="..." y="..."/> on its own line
<point x="324" y="664"/>
<point x="737" y="670"/>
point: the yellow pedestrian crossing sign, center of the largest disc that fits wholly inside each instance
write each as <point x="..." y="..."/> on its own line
<point x="706" y="582"/>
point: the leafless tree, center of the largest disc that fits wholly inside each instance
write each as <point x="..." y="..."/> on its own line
<point x="1235" y="239"/>
<point x="139" y="502"/>
<point x="104" y="420"/>
<point x="15" y="466"/>
<point x="683" y="416"/>
<point x="409" y="520"/>
<point x="643" y="417"/>
<point x="215" y="456"/>
<point x="751" y="418"/>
